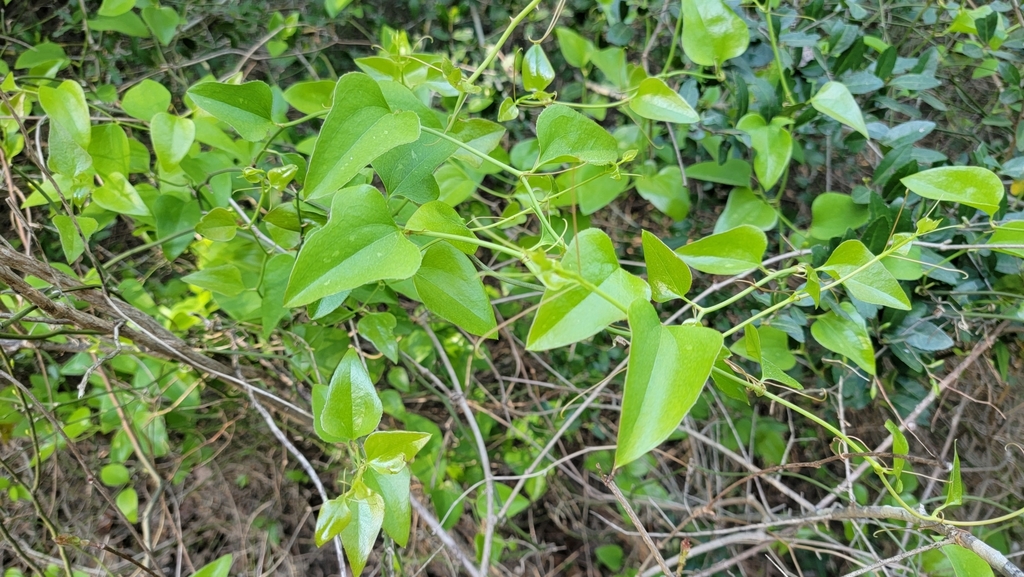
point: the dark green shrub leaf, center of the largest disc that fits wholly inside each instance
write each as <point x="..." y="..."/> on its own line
<point x="667" y="370"/>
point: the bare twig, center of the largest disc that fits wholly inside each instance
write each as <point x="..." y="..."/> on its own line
<point x="438" y="531"/>
<point x="609" y="482"/>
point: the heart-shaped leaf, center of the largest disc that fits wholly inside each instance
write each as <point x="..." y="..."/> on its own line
<point x="352" y="408"/>
<point x="667" y="274"/>
<point x="163" y="20"/>
<point x="847" y="336"/>
<point x="359" y="128"/>
<point x="656" y="101"/>
<point x="572" y="313"/>
<point x="666" y="192"/>
<point x="359" y="244"/>
<point x="666" y="373"/>
<point x="145" y="99"/>
<point x="110" y="150"/>
<point x="537" y="70"/>
<point x="834" y="100"/>
<point x="394" y="490"/>
<point x="436" y="216"/>
<point x="119" y="196"/>
<point x="971" y="185"/>
<point x="866" y="278"/>
<point x="172" y="137"/>
<point x="745" y="207"/>
<point x="379" y="329"/>
<point x="449" y="286"/>
<point x="731" y="252"/>
<point x="246" y="107"/>
<point x="70" y="241"/>
<point x="772" y="144"/>
<point x="311" y="97"/>
<point x="712" y="32"/>
<point x="833" y="213"/>
<point x="219" y="224"/>
<point x="565" y="135"/>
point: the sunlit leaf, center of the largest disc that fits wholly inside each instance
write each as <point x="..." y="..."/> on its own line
<point x="971" y="185"/>
<point x="712" y="32"/>
<point x="731" y="252"/>
<point x="865" y="277"/>
<point x="667" y="274"/>
<point x="352" y="408"/>
<point x="654" y="100"/>
<point x="834" y="100"/>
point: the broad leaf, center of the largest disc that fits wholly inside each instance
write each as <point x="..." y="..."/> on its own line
<point x="359" y="244"/>
<point x="846" y="336"/>
<point x="537" y="70"/>
<point x="146" y="99"/>
<point x="172" y="137"/>
<point x="128" y="502"/>
<point x="575" y="48"/>
<point x="436" y="216"/>
<point x="572" y="313"/>
<point x="334" y="516"/>
<point x="590" y="187"/>
<point x="359" y="128"/>
<point x="833" y="213"/>
<point x="746" y="207"/>
<point x="667" y="370"/>
<point x="450" y="287"/>
<point x="386" y="447"/>
<point x="667" y="274"/>
<point x="359" y="535"/>
<point x="246" y="107"/>
<point x="712" y="32"/>
<point x="565" y="135"/>
<point x="353" y="408"/>
<point x="115" y="7"/>
<point x="163" y="20"/>
<point x="733" y="172"/>
<point x="971" y="185"/>
<point x="379" y="329"/>
<point x="225" y="279"/>
<point x="834" y="100"/>
<point x="1009" y="233"/>
<point x="654" y="100"/>
<point x="394" y="490"/>
<point x="319" y="402"/>
<point x="666" y="192"/>
<point x="865" y="277"/>
<point x="219" y="567"/>
<point x="772" y="144"/>
<point x="66" y="107"/>
<point x="966" y="563"/>
<point x="219" y="224"/>
<point x="730" y="252"/>
<point x="110" y="150"/>
<point x="70" y="240"/>
<point x="119" y="196"/>
<point x="311" y="97"/>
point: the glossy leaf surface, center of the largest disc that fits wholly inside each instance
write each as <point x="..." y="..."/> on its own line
<point x="730" y="252"/>
<point x="865" y="277"/>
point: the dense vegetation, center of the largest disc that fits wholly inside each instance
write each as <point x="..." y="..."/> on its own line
<point x="634" y="287"/>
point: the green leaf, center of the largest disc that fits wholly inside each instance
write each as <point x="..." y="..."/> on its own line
<point x="311" y="97"/>
<point x="319" y="403"/>
<point x="971" y="185"/>
<point x="219" y="224"/>
<point x="128" y="502"/>
<point x="666" y="192"/>
<point x="129" y="24"/>
<point x="772" y="345"/>
<point x="611" y="556"/>
<point x="654" y="100"/>
<point x="436" y="216"/>
<point x="502" y="494"/>
<point x="174" y="215"/>
<point x="275" y="279"/>
<point x="119" y="196"/>
<point x="449" y="286"/>
<point x="172" y="138"/>
<point x="537" y="70"/>
<point x="110" y="150"/>
<point x="367" y="509"/>
<point x="478" y="133"/>
<point x="408" y="170"/>
<point x="731" y="252"/>
<point x="333" y="518"/>
<point x="379" y="329"/>
<point x="115" y="7"/>
<point x="359" y="128"/>
<point x="572" y="313"/>
<point x="592" y="187"/>
<point x="834" y="100"/>
<point x="359" y="244"/>
<point x="955" y="487"/>
<point x="870" y="282"/>
<point x="773" y="145"/>
<point x="846" y="336"/>
<point x="334" y="7"/>
<point x="966" y="563"/>
<point x="246" y="107"/>
<point x="575" y="49"/>
<point x="219" y="567"/>
<point x="667" y="274"/>
<point x="394" y="489"/>
<point x="114" y="475"/>
<point x="733" y="172"/>
<point x="712" y="32"/>
<point x="66" y="107"/>
<point x="508" y="110"/>
<point x="746" y="207"/>
<point x="565" y="135"/>
<point x="833" y="213"/>
<point x="44" y="54"/>
<point x="225" y="279"/>
<point x="163" y="21"/>
<point x="353" y="408"/>
<point x="899" y="447"/>
<point x="1011" y="232"/>
<point x="146" y="99"/>
<point x="70" y="241"/>
<point x="386" y="448"/>
<point x="667" y="370"/>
